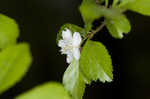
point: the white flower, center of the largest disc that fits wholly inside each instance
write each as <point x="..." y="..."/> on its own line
<point x="70" y="45"/>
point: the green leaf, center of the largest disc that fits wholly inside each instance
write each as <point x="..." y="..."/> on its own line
<point x="139" y="6"/>
<point x="14" y="63"/>
<point x="46" y="91"/>
<point x="73" y="80"/>
<point x="117" y="26"/>
<point x="90" y="11"/>
<point x="73" y="28"/>
<point x="9" y="31"/>
<point x="95" y="62"/>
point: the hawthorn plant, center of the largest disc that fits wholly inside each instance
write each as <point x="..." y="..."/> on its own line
<point x="88" y="60"/>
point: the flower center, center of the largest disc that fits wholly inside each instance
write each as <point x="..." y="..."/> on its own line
<point x="68" y="47"/>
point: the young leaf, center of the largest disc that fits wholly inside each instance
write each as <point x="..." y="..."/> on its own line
<point x="117" y="26"/>
<point x="73" y="80"/>
<point x="46" y="91"/>
<point x="95" y="62"/>
<point x="140" y="6"/>
<point x="14" y="63"/>
<point x="90" y="11"/>
<point x="73" y="28"/>
<point x="9" y="31"/>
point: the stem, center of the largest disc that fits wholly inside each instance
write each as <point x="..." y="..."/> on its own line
<point x="91" y="34"/>
<point x="106" y="3"/>
<point x="97" y="30"/>
<point x="114" y="3"/>
<point x="97" y="1"/>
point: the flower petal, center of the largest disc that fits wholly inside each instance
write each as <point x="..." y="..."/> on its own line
<point x="61" y="43"/>
<point x="76" y="39"/>
<point x="76" y="53"/>
<point x="67" y="34"/>
<point x="69" y="58"/>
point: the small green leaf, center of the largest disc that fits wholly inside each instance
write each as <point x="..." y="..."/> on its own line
<point x="46" y="91"/>
<point x="9" y="31"/>
<point x="90" y="11"/>
<point x="73" y="28"/>
<point x="140" y="6"/>
<point x="73" y="80"/>
<point x="117" y="26"/>
<point x="14" y="63"/>
<point x="95" y="62"/>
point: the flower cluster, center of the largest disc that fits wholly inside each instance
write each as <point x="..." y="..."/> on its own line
<point x="70" y="45"/>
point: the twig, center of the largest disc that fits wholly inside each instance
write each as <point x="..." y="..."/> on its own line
<point x="91" y="34"/>
<point x="97" y="30"/>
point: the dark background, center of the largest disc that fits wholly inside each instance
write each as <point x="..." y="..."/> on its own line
<point x="40" y="20"/>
